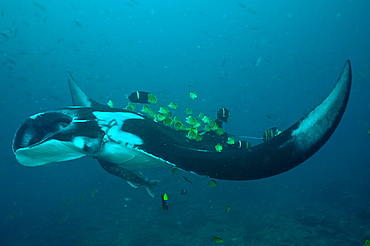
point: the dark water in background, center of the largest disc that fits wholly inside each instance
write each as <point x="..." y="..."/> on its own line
<point x="269" y="62"/>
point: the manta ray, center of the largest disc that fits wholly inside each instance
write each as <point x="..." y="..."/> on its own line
<point x="124" y="141"/>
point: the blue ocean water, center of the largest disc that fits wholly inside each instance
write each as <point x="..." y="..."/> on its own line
<point x="269" y="62"/>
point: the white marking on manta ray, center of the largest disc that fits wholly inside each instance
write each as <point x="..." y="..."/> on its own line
<point x="120" y="147"/>
<point x="319" y="119"/>
<point x="111" y="123"/>
<point x="33" y="117"/>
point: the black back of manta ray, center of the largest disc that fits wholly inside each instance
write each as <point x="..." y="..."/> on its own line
<point x="283" y="152"/>
<point x="280" y="154"/>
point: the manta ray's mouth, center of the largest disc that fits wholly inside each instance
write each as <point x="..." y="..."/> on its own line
<point x="39" y="128"/>
<point x="57" y="135"/>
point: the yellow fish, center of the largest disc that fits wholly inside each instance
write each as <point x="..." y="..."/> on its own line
<point x="188" y="111"/>
<point x="175" y="170"/>
<point x="206" y="119"/>
<point x="218" y="147"/>
<point x="230" y="140"/>
<point x="163" y="110"/>
<point x="152" y="99"/>
<point x="146" y="109"/>
<point x="172" y="105"/>
<point x="212" y="183"/>
<point x="191" y="120"/>
<point x="220" y="131"/>
<point x="217" y="240"/>
<point x="177" y="125"/>
<point x="167" y="122"/>
<point x="193" y="95"/>
<point x="192" y="133"/>
<point x="130" y="106"/>
<point x="110" y="104"/>
<point x="160" y="117"/>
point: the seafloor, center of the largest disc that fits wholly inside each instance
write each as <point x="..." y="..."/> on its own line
<point x="264" y="213"/>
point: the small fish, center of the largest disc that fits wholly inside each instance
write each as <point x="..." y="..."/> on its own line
<point x="183" y="192"/>
<point x="228" y="208"/>
<point x="175" y="170"/>
<point x="167" y="122"/>
<point x="130" y="106"/>
<point x="176" y="119"/>
<point x="207" y="128"/>
<point x="160" y="117"/>
<point x="152" y="99"/>
<point x="39" y="6"/>
<point x="11" y="216"/>
<point x="191" y="120"/>
<point x="242" y="144"/>
<point x="252" y="11"/>
<point x="11" y="61"/>
<point x="199" y="138"/>
<point x="223" y="114"/>
<point x="165" y="204"/>
<point x="230" y="141"/>
<point x="213" y="125"/>
<point x="270" y="133"/>
<point x="110" y="104"/>
<point x="220" y="131"/>
<point x="142" y="97"/>
<point x="258" y="61"/>
<point x="64" y="218"/>
<point x="367" y="243"/>
<point x="146" y="109"/>
<point x="193" y="95"/>
<point x="78" y="24"/>
<point x="217" y="240"/>
<point x="192" y="133"/>
<point x="93" y="192"/>
<point x="187" y="180"/>
<point x="368" y="131"/>
<point x="241" y="5"/>
<point x="212" y="183"/>
<point x="177" y="126"/>
<point x="164" y="110"/>
<point x="188" y="111"/>
<point x="223" y="62"/>
<point x="206" y="119"/>
<point x="172" y="105"/>
<point x="218" y="147"/>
